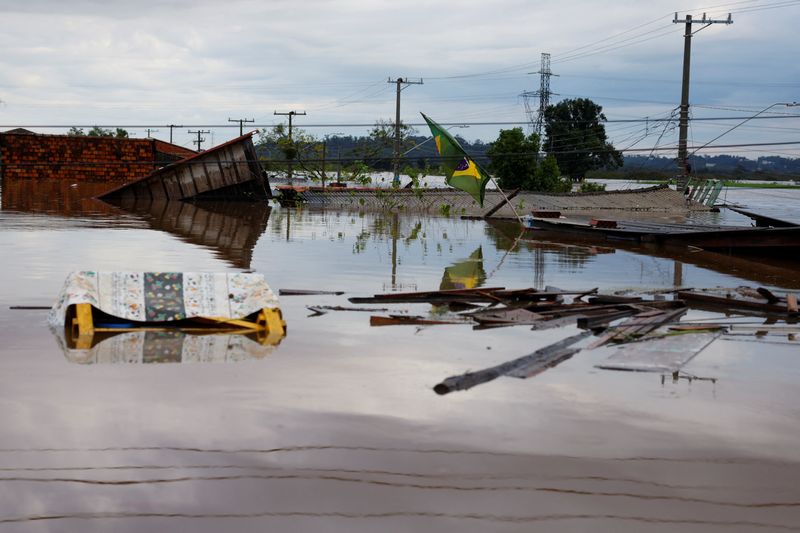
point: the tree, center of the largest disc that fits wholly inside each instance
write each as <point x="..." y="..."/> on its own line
<point x="516" y="164"/>
<point x="514" y="158"/>
<point x="75" y="132"/>
<point x="97" y="131"/>
<point x="576" y="136"/>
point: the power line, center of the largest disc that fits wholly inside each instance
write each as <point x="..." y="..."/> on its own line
<point x="372" y="124"/>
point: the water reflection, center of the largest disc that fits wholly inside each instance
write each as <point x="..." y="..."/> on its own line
<point x="573" y="253"/>
<point x="55" y="197"/>
<point x="466" y="274"/>
<point x="231" y="229"/>
<point x="166" y="347"/>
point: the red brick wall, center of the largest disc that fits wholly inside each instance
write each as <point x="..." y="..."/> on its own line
<point x="75" y="158"/>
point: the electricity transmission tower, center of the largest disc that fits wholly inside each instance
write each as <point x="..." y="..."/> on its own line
<point x="536" y="116"/>
<point x="683" y="120"/>
<point x="401" y="84"/>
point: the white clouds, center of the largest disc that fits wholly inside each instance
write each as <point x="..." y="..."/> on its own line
<point x="88" y="61"/>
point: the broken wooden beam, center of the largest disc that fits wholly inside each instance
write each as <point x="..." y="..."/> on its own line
<point x="730" y="302"/>
<point x="404" y="320"/>
<point x="522" y="367"/>
<point x="307" y="292"/>
<point x="452" y="295"/>
<point x="638" y="326"/>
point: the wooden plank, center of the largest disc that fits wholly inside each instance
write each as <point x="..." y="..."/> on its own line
<point x="729" y="302"/>
<point x="637" y="326"/>
<point x="305" y="292"/>
<point x="404" y="320"/>
<point x="522" y="367"/>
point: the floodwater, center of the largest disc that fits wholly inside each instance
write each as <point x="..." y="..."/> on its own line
<point x="339" y="430"/>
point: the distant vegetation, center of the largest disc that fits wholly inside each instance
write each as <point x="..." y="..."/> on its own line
<point x="97" y="131"/>
<point x="727" y="167"/>
<point x="575" y="145"/>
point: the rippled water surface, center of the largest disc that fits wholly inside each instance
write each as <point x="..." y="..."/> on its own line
<point x="338" y="429"/>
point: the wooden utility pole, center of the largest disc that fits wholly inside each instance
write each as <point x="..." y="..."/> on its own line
<point x="401" y="84"/>
<point x="200" y="138"/>
<point x="683" y="121"/>
<point x="149" y="131"/>
<point x="242" y="122"/>
<point x="290" y="114"/>
<point x="171" y="126"/>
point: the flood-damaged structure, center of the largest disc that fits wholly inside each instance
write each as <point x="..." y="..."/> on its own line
<point x="136" y="169"/>
<point x="26" y="155"/>
<point x="226" y="172"/>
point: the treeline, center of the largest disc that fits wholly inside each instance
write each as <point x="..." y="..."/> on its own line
<point x="421" y="151"/>
<point x="728" y="166"/>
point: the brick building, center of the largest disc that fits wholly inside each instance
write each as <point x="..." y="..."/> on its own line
<point x="27" y="155"/>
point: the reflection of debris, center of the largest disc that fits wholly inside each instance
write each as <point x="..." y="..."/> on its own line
<point x="679" y="375"/>
<point x="168" y="346"/>
<point x="524" y="367"/>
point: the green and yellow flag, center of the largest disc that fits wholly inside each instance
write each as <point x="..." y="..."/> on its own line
<point x="461" y="171"/>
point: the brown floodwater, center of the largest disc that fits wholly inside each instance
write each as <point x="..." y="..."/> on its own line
<point x="338" y="429"/>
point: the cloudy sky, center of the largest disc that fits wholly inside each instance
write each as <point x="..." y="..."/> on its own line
<point x="199" y="63"/>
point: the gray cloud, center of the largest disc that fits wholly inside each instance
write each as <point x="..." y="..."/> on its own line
<point x="87" y="61"/>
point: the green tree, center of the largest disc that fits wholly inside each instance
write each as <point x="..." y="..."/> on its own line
<point x="76" y="132"/>
<point x="514" y="158"/>
<point x="516" y="163"/>
<point x="548" y="177"/>
<point x="576" y="136"/>
<point x="97" y="131"/>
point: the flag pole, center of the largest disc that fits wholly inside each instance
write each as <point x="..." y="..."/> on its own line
<point x="519" y="218"/>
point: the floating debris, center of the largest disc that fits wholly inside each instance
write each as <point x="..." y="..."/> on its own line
<point x="523" y="367"/>
<point x="103" y="312"/>
<point x="307" y="292"/>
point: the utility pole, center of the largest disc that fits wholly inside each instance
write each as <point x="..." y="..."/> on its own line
<point x="290" y="114"/>
<point x="149" y="131"/>
<point x="543" y="94"/>
<point x="324" y="152"/>
<point x="683" y="120"/>
<point x="171" y="127"/>
<point x="242" y="122"/>
<point x="401" y="84"/>
<point x="200" y="138"/>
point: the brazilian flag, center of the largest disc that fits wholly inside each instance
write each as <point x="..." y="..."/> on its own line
<point x="461" y="171"/>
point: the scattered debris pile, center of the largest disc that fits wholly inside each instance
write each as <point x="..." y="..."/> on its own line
<point x="645" y="331"/>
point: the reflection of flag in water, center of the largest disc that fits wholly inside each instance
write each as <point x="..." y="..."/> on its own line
<point x="461" y="171"/>
<point x="466" y="274"/>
